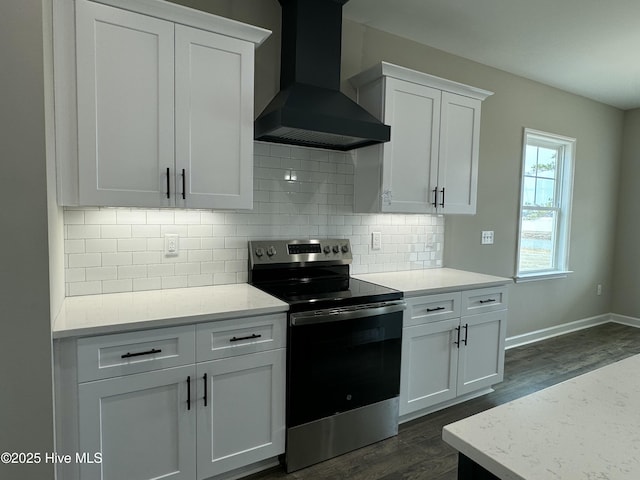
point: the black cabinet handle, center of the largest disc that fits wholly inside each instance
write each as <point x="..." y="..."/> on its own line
<point x="488" y="300"/>
<point x="168" y="184"/>
<point x="184" y="191"/>
<point x="250" y="337"/>
<point x="442" y="203"/>
<point x="466" y="333"/>
<point x="189" y="392"/>
<point x="435" y="197"/>
<point x="148" y="352"/>
<point x="205" y="389"/>
<point x="435" y="309"/>
<point x="457" y="342"/>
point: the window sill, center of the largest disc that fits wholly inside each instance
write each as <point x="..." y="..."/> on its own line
<point x="534" y="277"/>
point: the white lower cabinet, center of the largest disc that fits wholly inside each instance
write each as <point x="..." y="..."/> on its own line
<point x="140" y="424"/>
<point x="199" y="420"/>
<point x="245" y="399"/>
<point x="452" y="345"/>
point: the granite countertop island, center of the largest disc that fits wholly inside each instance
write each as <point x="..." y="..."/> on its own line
<point x="118" y="312"/>
<point x="432" y="280"/>
<point x="587" y="427"/>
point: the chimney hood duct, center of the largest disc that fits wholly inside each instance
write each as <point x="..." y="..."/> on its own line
<point x="310" y="110"/>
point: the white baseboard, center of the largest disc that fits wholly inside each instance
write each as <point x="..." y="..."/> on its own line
<point x="623" y="319"/>
<point x="536" y="336"/>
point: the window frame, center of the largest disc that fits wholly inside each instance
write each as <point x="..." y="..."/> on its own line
<point x="563" y="194"/>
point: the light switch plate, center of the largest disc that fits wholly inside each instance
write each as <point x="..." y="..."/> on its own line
<point x="487" y="237"/>
<point x="376" y="241"/>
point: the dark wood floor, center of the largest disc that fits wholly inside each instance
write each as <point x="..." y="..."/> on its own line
<point x="418" y="451"/>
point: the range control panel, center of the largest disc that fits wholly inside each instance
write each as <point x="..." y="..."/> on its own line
<point x="265" y="252"/>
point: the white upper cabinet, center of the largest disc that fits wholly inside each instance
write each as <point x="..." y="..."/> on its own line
<point x="430" y="165"/>
<point x="214" y="120"/>
<point x="125" y="107"/>
<point x="163" y="114"/>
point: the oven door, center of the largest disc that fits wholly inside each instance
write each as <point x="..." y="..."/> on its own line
<point x="342" y="359"/>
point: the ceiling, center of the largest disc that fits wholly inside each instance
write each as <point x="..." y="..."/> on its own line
<point x="587" y="47"/>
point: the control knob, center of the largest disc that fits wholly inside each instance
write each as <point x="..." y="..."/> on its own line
<point x="326" y="249"/>
<point x="259" y="252"/>
<point x="345" y="248"/>
<point x="336" y="249"/>
<point x="271" y="251"/>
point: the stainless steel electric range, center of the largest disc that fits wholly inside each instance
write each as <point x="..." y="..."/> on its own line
<point x="343" y="347"/>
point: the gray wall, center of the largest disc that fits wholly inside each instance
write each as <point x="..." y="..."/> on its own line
<point x="517" y="103"/>
<point x="626" y="300"/>
<point x="26" y="418"/>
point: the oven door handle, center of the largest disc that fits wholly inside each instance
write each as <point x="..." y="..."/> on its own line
<point x="346" y="313"/>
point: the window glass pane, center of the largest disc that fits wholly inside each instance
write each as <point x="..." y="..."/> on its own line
<point x="529" y="192"/>
<point x="537" y="240"/>
<point x="547" y="161"/>
<point x="545" y="192"/>
<point x="530" y="160"/>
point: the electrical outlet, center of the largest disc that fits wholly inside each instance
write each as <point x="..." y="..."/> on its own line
<point x="171" y="244"/>
<point x="376" y="241"/>
<point x="599" y="289"/>
<point x="487" y="237"/>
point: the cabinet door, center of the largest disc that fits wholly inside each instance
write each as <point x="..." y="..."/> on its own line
<point x="429" y="365"/>
<point x="458" y="157"/>
<point x="125" y="107"/>
<point x="214" y="120"/>
<point x="243" y="421"/>
<point x="481" y="362"/>
<point x="141" y="424"/>
<point x="411" y="157"/>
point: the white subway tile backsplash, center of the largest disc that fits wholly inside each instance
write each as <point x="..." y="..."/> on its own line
<point x="77" y="260"/>
<point x="132" y="244"/>
<point x="101" y="245"/>
<point x="115" y="231"/>
<point x="175" y="281"/>
<point x="298" y="192"/>
<point x="100" y="217"/>
<point x="84" y="288"/>
<point x="140" y="284"/>
<point x="115" y="286"/>
<point x="82" y="231"/>
<point x="146" y="231"/>
<point x="131" y="217"/>
<point x="116" y="259"/>
<point x="74" y="246"/>
<point x="102" y="273"/>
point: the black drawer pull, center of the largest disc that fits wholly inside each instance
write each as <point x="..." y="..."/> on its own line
<point x="189" y="392"/>
<point x="206" y="389"/>
<point x="149" y="352"/>
<point x="466" y="333"/>
<point x="250" y="337"/>
<point x="488" y="300"/>
<point x="437" y="309"/>
<point x="457" y="342"/>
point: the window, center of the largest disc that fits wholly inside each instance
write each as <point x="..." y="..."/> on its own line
<point x="545" y="205"/>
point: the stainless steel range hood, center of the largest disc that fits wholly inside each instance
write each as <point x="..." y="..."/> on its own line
<point x="310" y="110"/>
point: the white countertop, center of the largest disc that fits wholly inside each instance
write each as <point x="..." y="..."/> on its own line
<point x="116" y="312"/>
<point x="433" y="280"/>
<point x="587" y="427"/>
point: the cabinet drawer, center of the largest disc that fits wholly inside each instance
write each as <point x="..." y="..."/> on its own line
<point x="109" y="356"/>
<point x="484" y="300"/>
<point x="228" y="338"/>
<point x="432" y="308"/>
